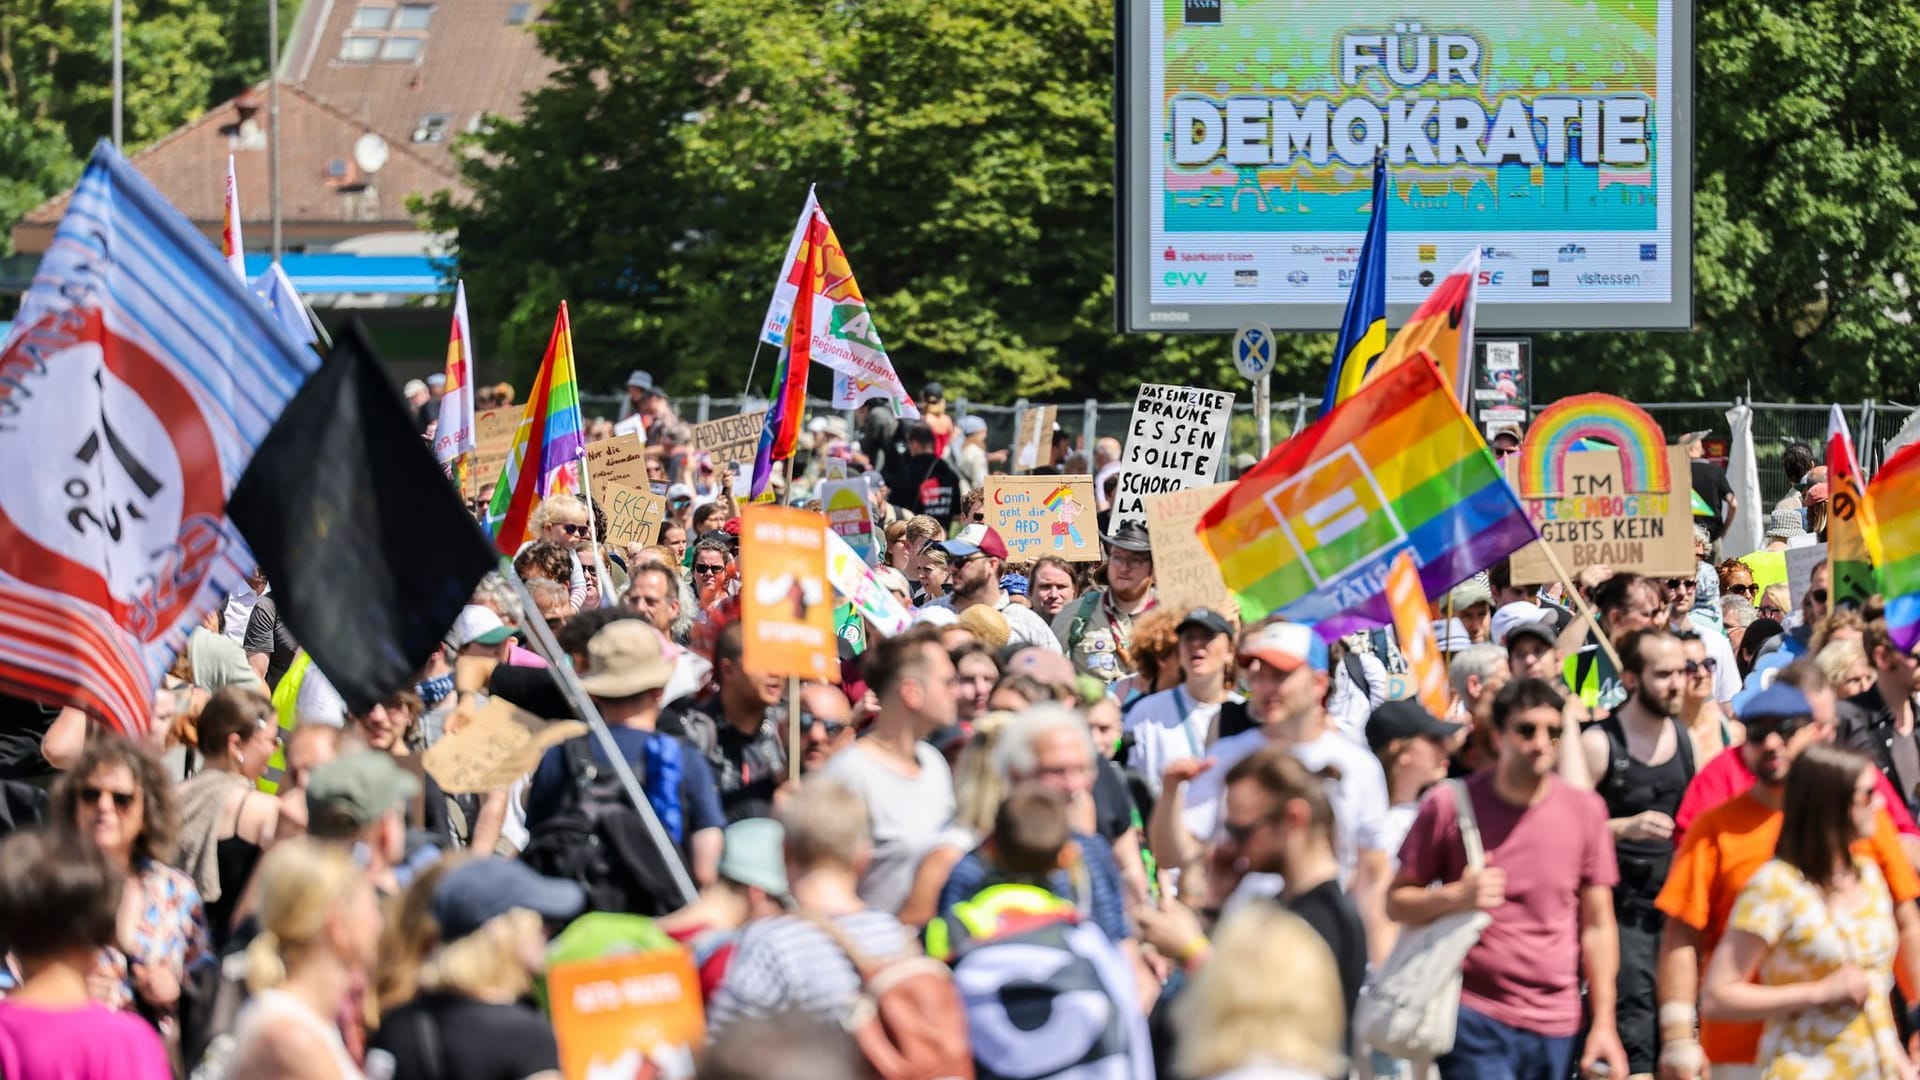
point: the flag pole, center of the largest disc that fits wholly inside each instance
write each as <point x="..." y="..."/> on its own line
<point x="541" y="637"/>
<point x="593" y="535"/>
<point x="794" y="730"/>
<point x="751" y="368"/>
<point x="1581" y="605"/>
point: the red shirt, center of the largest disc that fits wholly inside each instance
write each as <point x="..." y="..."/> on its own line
<point x="1727" y="777"/>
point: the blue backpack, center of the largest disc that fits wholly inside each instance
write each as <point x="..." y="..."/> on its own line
<point x="599" y="840"/>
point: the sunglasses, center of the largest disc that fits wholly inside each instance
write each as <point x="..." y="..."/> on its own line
<point x="1682" y="583"/>
<point x="833" y="727"/>
<point x="572" y="530"/>
<point x="1785" y="727"/>
<point x="1768" y="611"/>
<point x="1527" y="729"/>
<point x="1238" y="835"/>
<point x="1741" y="590"/>
<point x="1695" y="667"/>
<point x="700" y="568"/>
<point x="122" y="800"/>
<point x="1818" y="596"/>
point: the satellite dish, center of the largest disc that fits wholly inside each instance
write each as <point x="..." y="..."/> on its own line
<point x="370" y="152"/>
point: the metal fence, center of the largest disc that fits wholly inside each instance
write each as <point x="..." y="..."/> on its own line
<point x="1775" y="424"/>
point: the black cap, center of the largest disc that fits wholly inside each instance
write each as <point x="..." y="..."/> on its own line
<point x="934" y="392"/>
<point x="1405" y="720"/>
<point x="1543" y="630"/>
<point x="1208" y="618"/>
<point x="1129" y="536"/>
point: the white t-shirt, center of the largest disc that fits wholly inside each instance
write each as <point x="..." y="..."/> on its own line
<point x="1168" y="726"/>
<point x="1359" y="797"/>
<point x="906" y="814"/>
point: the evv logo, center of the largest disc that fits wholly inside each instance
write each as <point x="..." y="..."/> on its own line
<point x="1179" y="279"/>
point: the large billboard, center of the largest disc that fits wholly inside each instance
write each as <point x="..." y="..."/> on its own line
<point x="1555" y="136"/>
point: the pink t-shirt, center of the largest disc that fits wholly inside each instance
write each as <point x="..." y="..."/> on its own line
<point x="1727" y="777"/>
<point x="1525" y="970"/>
<point x="88" y="1043"/>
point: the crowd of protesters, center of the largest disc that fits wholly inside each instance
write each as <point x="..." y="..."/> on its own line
<point x="1145" y="841"/>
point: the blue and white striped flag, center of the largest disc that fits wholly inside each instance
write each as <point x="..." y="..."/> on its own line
<point x="136" y="383"/>
<point x="284" y="301"/>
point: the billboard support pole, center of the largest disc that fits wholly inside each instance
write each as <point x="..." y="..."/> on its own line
<point x="1263" y="408"/>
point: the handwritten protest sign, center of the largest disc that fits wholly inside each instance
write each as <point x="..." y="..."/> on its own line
<point x="1176" y="439"/>
<point x="493" y="439"/>
<point x="785" y="604"/>
<point x="633" y="514"/>
<point x="1044" y="515"/>
<point x="1800" y="564"/>
<point x="496" y="747"/>
<point x="730" y="438"/>
<point x="1184" y="574"/>
<point x="1600" y="522"/>
<point x="619" y="1015"/>
<point x="1033" y="442"/>
<point x="619" y="460"/>
<point x="853" y="579"/>
<point x="850" y="514"/>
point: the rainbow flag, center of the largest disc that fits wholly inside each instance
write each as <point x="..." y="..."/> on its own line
<point x="780" y="436"/>
<point x="546" y="447"/>
<point x="1442" y="328"/>
<point x="454" y="444"/>
<point x="1363" y="331"/>
<point x="1849" y="518"/>
<point x="1311" y="532"/>
<point x="1894" y="541"/>
<point x="231" y="245"/>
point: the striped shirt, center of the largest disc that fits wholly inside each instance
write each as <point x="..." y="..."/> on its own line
<point x="787" y="963"/>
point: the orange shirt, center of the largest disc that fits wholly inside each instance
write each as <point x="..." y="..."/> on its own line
<point x="1722" y="849"/>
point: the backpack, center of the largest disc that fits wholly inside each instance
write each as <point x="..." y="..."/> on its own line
<point x="908" y="1021"/>
<point x="598" y="839"/>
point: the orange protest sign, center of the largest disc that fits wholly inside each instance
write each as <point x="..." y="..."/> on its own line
<point x="613" y="1017"/>
<point x="786" y="607"/>
<point x="1412" y="623"/>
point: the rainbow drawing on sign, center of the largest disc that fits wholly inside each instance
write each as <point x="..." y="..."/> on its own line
<point x="1062" y="502"/>
<point x="1557" y="431"/>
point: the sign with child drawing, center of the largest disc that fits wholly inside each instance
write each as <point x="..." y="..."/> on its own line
<point x="1044" y="515"/>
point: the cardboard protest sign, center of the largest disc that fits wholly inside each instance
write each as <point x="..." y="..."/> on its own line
<point x="1184" y="574"/>
<point x="1176" y="439"/>
<point x="1044" y="515"/>
<point x="1800" y="564"/>
<point x="786" y="608"/>
<point x="619" y="1015"/>
<point x="1033" y="441"/>
<point x="1629" y="507"/>
<point x="853" y="579"/>
<point x="633" y="514"/>
<point x="493" y="440"/>
<point x="619" y="460"/>
<point x="850" y="514"/>
<point x="730" y="438"/>
<point x="496" y="747"/>
<point x="1413" y="623"/>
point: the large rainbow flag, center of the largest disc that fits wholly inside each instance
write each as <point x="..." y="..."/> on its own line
<point x="780" y="436"/>
<point x="1895" y="541"/>
<point x="546" y="447"/>
<point x="1311" y="532"/>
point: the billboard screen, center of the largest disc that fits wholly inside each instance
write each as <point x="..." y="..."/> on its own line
<point x="1553" y="135"/>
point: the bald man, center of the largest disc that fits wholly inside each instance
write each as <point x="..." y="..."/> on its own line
<point x="826" y="724"/>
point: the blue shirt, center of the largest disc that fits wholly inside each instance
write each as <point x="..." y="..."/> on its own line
<point x="699" y="796"/>
<point x="1105" y="903"/>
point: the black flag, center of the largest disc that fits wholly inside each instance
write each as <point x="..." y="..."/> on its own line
<point x="367" y="546"/>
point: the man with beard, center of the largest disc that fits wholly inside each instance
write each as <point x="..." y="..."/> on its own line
<point x="1642" y="759"/>
<point x="1097" y="629"/>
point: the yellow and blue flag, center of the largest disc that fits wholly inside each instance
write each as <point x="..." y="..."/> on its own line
<point x="1363" y="332"/>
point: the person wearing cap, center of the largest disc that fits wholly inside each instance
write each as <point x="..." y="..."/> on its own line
<point x="360" y="799"/>
<point x="1175" y="724"/>
<point x="1471" y="605"/>
<point x="1286" y="678"/>
<point x="1504" y="438"/>
<point x="425" y="409"/>
<point x="1412" y="745"/>
<point x="1710" y="486"/>
<point x="1724" y="846"/>
<point x="468" y="1018"/>
<point x="1531" y="643"/>
<point x="752" y="886"/>
<point x="972" y="453"/>
<point x="1547" y="885"/>
<point x="974" y="561"/>
<point x="925" y="482"/>
<point x="1097" y="629"/>
<point x="626" y="671"/>
<point x="478" y="631"/>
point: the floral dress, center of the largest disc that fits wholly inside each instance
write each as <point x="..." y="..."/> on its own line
<point x="171" y="929"/>
<point x="1805" y="943"/>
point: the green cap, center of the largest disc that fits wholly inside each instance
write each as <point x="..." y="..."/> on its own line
<point x="361" y="788"/>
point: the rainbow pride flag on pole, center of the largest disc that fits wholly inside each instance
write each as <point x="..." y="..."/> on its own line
<point x="1311" y="532"/>
<point x="547" y="447"/>
<point x="1894" y="541"/>
<point x="780" y="436"/>
<point x="453" y="438"/>
<point x="1849" y="518"/>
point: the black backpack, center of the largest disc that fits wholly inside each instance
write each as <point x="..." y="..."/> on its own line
<point x="599" y="840"/>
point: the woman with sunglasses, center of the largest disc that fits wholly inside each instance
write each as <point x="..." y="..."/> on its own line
<point x="1736" y="579"/>
<point x="1712" y="729"/>
<point x="1810" y="944"/>
<point x="225" y="820"/>
<point x="117" y="800"/>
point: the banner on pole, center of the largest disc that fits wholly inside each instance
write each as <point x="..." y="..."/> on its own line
<point x="786" y="607"/>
